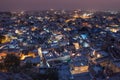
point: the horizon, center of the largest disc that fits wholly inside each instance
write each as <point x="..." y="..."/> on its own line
<point x="28" y="5"/>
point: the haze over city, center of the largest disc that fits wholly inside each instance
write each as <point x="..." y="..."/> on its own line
<point x="14" y="5"/>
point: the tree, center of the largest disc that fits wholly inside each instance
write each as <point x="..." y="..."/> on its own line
<point x="1" y="66"/>
<point x="11" y="62"/>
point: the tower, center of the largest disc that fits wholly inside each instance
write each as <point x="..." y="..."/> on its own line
<point x="43" y="62"/>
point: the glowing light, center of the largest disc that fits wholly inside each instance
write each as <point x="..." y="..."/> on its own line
<point x="76" y="16"/>
<point x="81" y="69"/>
<point x="86" y="15"/>
<point x="98" y="55"/>
<point x="68" y="20"/>
<point x="3" y="54"/>
<point x="114" y="30"/>
<point x="78" y="54"/>
<point x="6" y="39"/>
<point x="22" y="12"/>
<point x="67" y="29"/>
<point x="30" y="54"/>
<point x="40" y="52"/>
<point x="34" y="28"/>
<point x="73" y="54"/>
<point x="18" y="32"/>
<point x="77" y="46"/>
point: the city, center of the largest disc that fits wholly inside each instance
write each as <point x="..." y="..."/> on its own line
<point x="60" y="45"/>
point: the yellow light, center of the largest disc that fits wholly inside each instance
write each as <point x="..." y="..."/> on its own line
<point x="34" y="28"/>
<point x="114" y="30"/>
<point x="76" y="16"/>
<point x="30" y="54"/>
<point x="68" y="20"/>
<point x="22" y="57"/>
<point x="80" y="69"/>
<point x="77" y="46"/>
<point x="3" y="54"/>
<point x="7" y="39"/>
<point x="86" y="16"/>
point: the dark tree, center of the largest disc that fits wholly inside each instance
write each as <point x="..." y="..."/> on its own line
<point x="11" y="62"/>
<point x="1" y="66"/>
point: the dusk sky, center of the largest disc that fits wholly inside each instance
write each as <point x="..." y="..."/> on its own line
<point x="6" y="5"/>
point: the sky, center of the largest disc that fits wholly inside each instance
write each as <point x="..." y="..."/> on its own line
<point x="13" y="5"/>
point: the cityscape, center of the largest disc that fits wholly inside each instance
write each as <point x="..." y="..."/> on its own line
<point x="60" y="44"/>
<point x="75" y="44"/>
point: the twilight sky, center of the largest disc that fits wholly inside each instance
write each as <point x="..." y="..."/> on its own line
<point x="14" y="5"/>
